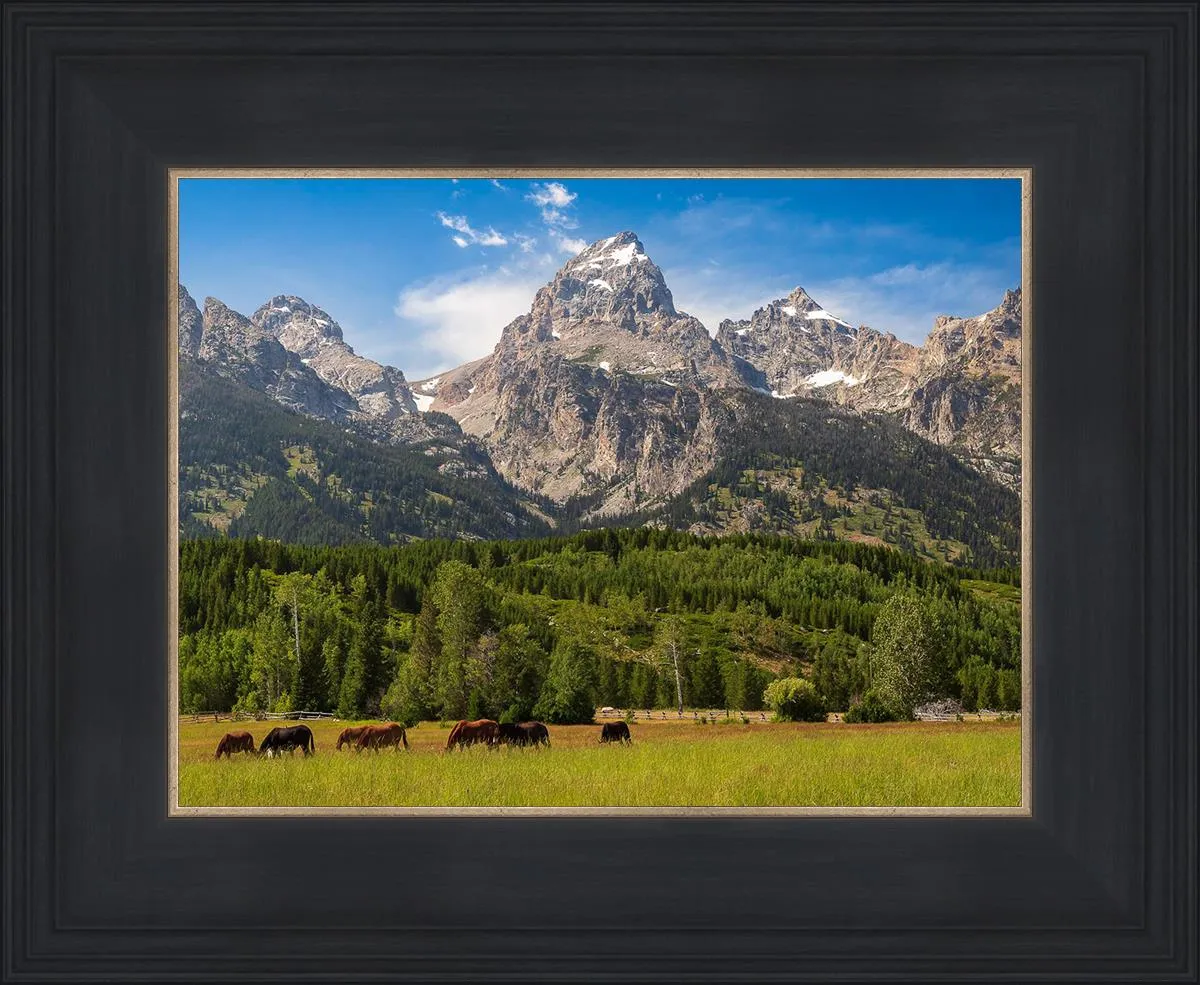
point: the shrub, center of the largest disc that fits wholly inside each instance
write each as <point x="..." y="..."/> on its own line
<point x="873" y="708"/>
<point x="794" y="699"/>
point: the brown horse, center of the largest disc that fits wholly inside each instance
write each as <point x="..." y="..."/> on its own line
<point x="349" y="736"/>
<point x="381" y="736"/>
<point x="235" y="742"/>
<point x="468" y="733"/>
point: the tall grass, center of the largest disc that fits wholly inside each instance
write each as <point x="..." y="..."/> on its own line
<point x="942" y="765"/>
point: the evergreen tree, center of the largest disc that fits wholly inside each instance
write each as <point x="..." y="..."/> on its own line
<point x="521" y="667"/>
<point x="458" y="592"/>
<point x="273" y="666"/>
<point x="707" y="687"/>
<point x="567" y="695"/>
<point x="353" y="693"/>
<point x="367" y="653"/>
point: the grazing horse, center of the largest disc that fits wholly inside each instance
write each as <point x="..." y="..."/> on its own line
<point x="235" y="742"/>
<point x="349" y="736"/>
<point x="525" y="734"/>
<point x="615" y="732"/>
<point x="381" y="736"/>
<point x="508" y="734"/>
<point x="468" y="733"/>
<point x="536" y="734"/>
<point x="289" y="738"/>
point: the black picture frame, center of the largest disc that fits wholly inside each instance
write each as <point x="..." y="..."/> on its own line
<point x="100" y="99"/>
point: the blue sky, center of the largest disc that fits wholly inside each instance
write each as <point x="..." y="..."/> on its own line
<point x="424" y="273"/>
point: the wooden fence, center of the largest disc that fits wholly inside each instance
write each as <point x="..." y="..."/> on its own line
<point x="258" y="716"/>
<point x="689" y="714"/>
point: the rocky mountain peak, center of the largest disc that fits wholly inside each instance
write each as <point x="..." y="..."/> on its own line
<point x="793" y="345"/>
<point x="191" y="323"/>
<point x="609" y="307"/>
<point x="381" y="394"/>
<point x="1012" y="301"/>
<point x="225" y="327"/>
<point x="301" y="327"/>
<point x="986" y="343"/>
<point x="613" y="280"/>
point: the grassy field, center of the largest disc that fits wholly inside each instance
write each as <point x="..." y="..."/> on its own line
<point x="669" y="764"/>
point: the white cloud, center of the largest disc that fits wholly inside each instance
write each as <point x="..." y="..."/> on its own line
<point x="452" y="320"/>
<point x="552" y="193"/>
<point x="526" y="243"/>
<point x="570" y="246"/>
<point x="554" y="200"/>
<point x="496" y="183"/>
<point x="469" y="236"/>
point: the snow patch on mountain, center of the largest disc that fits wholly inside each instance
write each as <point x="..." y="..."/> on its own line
<point x="625" y="255"/>
<point x="820" y="314"/>
<point x="829" y="377"/>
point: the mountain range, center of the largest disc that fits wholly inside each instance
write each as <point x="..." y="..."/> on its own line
<point x="606" y="405"/>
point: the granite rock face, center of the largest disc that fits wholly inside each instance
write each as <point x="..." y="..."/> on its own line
<point x="603" y="388"/>
<point x="234" y="347"/>
<point x="962" y="388"/>
<point x="968" y="387"/>
<point x="795" y="348"/>
<point x="381" y="394"/>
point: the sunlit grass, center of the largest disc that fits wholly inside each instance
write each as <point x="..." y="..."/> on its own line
<point x="670" y="764"/>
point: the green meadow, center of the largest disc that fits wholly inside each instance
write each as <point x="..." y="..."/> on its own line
<point x="670" y="763"/>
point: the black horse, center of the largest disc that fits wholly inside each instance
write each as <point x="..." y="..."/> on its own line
<point x="288" y="739"/>
<point x="525" y="734"/>
<point x="536" y="734"/>
<point x="615" y="732"/>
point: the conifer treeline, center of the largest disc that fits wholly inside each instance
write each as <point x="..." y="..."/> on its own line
<point x="554" y="627"/>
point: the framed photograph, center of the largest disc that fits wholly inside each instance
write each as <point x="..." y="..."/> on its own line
<point x="676" y="492"/>
<point x="782" y="550"/>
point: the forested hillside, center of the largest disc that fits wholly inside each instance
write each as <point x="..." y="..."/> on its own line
<point x="249" y="467"/>
<point x="807" y="468"/>
<point x="554" y="627"/>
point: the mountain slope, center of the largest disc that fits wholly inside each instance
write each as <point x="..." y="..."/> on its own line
<point x="603" y="385"/>
<point x="806" y="468"/>
<point x="961" y="389"/>
<point x="249" y="467"/>
<point x="968" y="388"/>
<point x="794" y="347"/>
<point x="381" y="394"/>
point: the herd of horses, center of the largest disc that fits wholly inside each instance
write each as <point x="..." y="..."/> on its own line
<point x="493" y="734"/>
